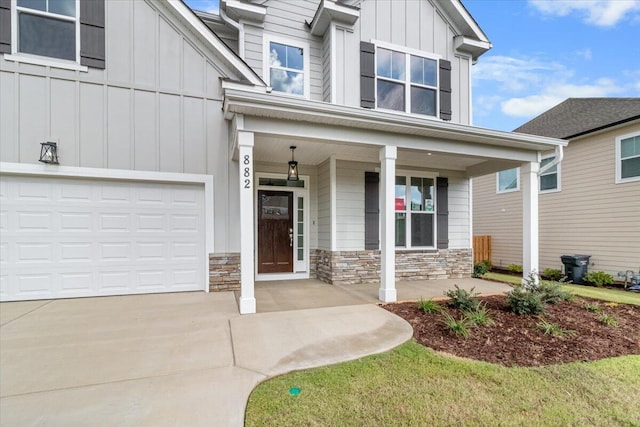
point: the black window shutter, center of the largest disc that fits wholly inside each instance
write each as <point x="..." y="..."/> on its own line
<point x="445" y="89"/>
<point x="367" y="75"/>
<point x="371" y="210"/>
<point x="5" y="26"/>
<point x="92" y="44"/>
<point x="442" y="208"/>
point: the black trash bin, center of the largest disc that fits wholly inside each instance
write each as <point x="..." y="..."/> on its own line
<point x="575" y="267"/>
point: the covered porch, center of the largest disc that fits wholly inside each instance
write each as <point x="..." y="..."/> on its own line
<point x="386" y="194"/>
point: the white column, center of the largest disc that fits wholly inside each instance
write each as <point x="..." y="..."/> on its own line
<point x="247" y="278"/>
<point x="387" y="292"/>
<point x="530" y="239"/>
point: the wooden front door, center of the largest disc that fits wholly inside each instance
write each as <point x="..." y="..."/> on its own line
<point x="275" y="232"/>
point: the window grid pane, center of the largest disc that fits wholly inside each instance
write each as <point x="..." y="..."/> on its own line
<point x="630" y="147"/>
<point x="508" y="180"/>
<point x="423" y="101"/>
<point x="401" y="227"/>
<point x="40" y="35"/>
<point x="630" y="168"/>
<point x="391" y="95"/>
<point x="422" y="230"/>
<point x="300" y="231"/>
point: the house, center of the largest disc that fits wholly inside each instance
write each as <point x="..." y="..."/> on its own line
<point x="175" y="132"/>
<point x="589" y="204"/>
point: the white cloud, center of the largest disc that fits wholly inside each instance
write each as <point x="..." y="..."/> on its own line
<point x="585" y="53"/>
<point x="602" y="13"/>
<point x="515" y="74"/>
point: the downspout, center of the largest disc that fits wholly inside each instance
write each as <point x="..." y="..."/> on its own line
<point x="556" y="160"/>
<point x="238" y="26"/>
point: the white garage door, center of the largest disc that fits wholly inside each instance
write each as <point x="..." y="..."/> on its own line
<point x="63" y="238"/>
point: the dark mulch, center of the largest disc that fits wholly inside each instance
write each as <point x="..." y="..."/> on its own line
<point x="516" y="340"/>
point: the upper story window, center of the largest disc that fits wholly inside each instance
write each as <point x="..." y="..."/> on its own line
<point x="549" y="179"/>
<point x="508" y="180"/>
<point x="406" y="82"/>
<point x="287" y="66"/>
<point x="628" y="158"/>
<point x="415" y="211"/>
<point x="47" y="28"/>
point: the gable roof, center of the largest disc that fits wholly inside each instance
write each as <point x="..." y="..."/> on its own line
<point x="579" y="116"/>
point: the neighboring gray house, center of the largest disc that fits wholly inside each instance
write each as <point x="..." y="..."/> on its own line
<point x="590" y="204"/>
<point x="174" y="130"/>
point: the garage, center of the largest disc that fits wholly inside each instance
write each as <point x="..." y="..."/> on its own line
<point x="70" y="236"/>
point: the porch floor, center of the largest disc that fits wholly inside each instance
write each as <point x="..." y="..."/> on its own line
<point x="285" y="295"/>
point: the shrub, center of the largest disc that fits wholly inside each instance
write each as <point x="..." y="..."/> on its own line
<point x="429" y="306"/>
<point x="462" y="299"/>
<point x="457" y="327"/>
<point x="551" y="292"/>
<point x="515" y="268"/>
<point x="480" y="316"/>
<point x="598" y="278"/>
<point x="608" y="320"/>
<point x="552" y="274"/>
<point x="481" y="268"/>
<point x="553" y="329"/>
<point x="524" y="301"/>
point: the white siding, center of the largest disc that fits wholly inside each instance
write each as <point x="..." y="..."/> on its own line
<point x="324" y="207"/>
<point x="459" y="220"/>
<point x="350" y="205"/>
<point x="590" y="215"/>
<point x="156" y="106"/>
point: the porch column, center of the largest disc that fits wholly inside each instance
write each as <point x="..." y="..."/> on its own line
<point x="245" y="159"/>
<point x="530" y="242"/>
<point x="387" y="292"/>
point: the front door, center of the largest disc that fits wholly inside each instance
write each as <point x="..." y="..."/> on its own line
<point x="275" y="232"/>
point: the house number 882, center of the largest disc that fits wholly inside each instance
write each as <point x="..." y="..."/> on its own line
<point x="247" y="171"/>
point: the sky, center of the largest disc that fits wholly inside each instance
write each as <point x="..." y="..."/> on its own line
<point x="545" y="51"/>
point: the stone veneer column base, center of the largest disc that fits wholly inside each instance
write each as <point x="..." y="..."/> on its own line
<point x="224" y="272"/>
<point x="355" y="267"/>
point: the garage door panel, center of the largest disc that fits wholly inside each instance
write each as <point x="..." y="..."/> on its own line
<point x="92" y="237"/>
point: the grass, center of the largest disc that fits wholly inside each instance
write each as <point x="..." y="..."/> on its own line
<point x="413" y="385"/>
<point x="613" y="295"/>
<point x="553" y="329"/>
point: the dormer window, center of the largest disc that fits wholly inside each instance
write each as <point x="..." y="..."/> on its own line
<point x="287" y="66"/>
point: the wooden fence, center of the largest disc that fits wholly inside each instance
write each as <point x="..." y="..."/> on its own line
<point x="481" y="249"/>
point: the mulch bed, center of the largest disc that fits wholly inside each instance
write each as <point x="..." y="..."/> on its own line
<point x="515" y="340"/>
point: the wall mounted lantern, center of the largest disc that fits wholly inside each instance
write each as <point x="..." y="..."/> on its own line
<point x="49" y="153"/>
<point x="292" y="174"/>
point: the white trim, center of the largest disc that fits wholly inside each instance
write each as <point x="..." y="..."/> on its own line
<point x="46" y="61"/>
<point x="546" y="172"/>
<point x="334" y="63"/>
<point x="134" y="176"/>
<point x="266" y="277"/>
<point x="387" y="291"/>
<point x="619" y="179"/>
<point x="246" y="185"/>
<point x="405" y="49"/>
<point x="510" y="190"/>
<point x="333" y="197"/>
<point x="267" y="39"/>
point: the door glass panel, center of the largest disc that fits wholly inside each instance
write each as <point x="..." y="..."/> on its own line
<point x="300" y="228"/>
<point x="275" y="207"/>
<point x="280" y="182"/>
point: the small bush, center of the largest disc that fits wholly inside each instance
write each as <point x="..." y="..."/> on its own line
<point x="462" y="299"/>
<point x="553" y="329"/>
<point x="429" y="306"/>
<point x="480" y="316"/>
<point x="594" y="308"/>
<point x="523" y="301"/>
<point x="481" y="268"/>
<point x="515" y="268"/>
<point x="552" y="292"/>
<point x="608" y="320"/>
<point x="598" y="278"/>
<point x="457" y="327"/>
<point x="552" y="274"/>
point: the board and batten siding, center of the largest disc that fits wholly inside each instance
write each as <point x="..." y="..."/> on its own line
<point x="155" y="107"/>
<point x="591" y="215"/>
<point x="414" y="24"/>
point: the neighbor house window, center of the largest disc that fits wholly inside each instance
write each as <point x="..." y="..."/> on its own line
<point x="415" y="211"/>
<point x="508" y="180"/>
<point x="406" y="82"/>
<point x="287" y="66"/>
<point x="47" y="28"/>
<point x="628" y="158"/>
<point x="550" y="179"/>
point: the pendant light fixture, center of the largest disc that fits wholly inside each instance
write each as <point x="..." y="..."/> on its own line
<point x="292" y="173"/>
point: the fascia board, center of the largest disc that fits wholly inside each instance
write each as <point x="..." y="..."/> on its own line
<point x="201" y="29"/>
<point x="251" y="12"/>
<point x="331" y="11"/>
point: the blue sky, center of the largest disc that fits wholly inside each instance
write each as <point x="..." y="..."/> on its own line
<point x="545" y="51"/>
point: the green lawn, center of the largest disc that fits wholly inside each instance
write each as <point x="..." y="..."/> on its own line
<point x="613" y="295"/>
<point x="413" y="385"/>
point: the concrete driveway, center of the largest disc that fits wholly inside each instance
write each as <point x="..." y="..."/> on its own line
<point x="166" y="359"/>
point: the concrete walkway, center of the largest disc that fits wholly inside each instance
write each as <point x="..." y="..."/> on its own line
<point x="166" y="359"/>
<point x="185" y="358"/>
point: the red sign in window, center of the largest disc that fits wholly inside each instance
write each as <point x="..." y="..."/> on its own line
<point x="399" y="203"/>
